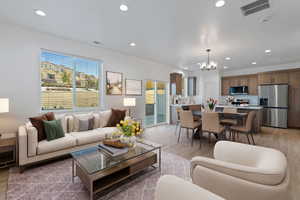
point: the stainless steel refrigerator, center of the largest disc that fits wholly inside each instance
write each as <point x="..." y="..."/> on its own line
<point x="274" y="99"/>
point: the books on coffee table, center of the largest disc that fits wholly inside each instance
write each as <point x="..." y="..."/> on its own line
<point x="112" y="151"/>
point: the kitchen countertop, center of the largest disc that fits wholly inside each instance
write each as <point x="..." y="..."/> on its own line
<point x="185" y="104"/>
<point x="250" y="107"/>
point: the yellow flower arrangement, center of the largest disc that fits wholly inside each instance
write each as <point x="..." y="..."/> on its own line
<point x="130" y="128"/>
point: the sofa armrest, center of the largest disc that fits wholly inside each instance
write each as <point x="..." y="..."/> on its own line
<point x="230" y="187"/>
<point x="32" y="141"/>
<point x="239" y="171"/>
<point x="22" y="145"/>
<point x="170" y="187"/>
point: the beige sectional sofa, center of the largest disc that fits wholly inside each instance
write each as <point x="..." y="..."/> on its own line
<point x="32" y="151"/>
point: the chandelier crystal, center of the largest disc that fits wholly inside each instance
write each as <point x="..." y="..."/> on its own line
<point x="209" y="65"/>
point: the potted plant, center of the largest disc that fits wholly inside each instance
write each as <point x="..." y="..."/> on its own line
<point x="211" y="103"/>
<point x="128" y="130"/>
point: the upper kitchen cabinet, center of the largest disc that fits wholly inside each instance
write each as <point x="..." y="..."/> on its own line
<point x="278" y="77"/>
<point x="234" y="81"/>
<point x="252" y="85"/>
<point x="176" y="84"/>
<point x="225" y="86"/>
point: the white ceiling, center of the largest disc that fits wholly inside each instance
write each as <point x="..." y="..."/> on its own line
<point x="174" y="32"/>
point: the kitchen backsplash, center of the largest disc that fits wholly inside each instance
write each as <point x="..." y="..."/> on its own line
<point x="253" y="100"/>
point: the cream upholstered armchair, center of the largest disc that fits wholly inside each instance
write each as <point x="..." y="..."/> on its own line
<point x="173" y="188"/>
<point x="243" y="172"/>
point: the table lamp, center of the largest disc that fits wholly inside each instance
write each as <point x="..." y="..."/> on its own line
<point x="129" y="102"/>
<point x="4" y="107"/>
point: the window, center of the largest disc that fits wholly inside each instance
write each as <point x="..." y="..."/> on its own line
<point x="68" y="82"/>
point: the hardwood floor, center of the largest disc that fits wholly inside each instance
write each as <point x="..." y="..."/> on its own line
<point x="285" y="140"/>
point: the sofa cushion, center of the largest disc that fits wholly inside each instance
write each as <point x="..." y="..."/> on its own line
<point x="45" y="146"/>
<point x="63" y="120"/>
<point x="104" y="117"/>
<point x="92" y="136"/>
<point x="50" y="116"/>
<point x="116" y="117"/>
<point x="53" y="129"/>
<point x="37" y="122"/>
<point x="77" y="117"/>
<point x="96" y="120"/>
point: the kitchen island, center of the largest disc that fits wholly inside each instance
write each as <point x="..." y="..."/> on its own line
<point x="246" y="109"/>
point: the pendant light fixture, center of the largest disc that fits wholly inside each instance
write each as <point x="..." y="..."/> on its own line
<point x="209" y="65"/>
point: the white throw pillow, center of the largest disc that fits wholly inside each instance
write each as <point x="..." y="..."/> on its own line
<point x="63" y="119"/>
<point x="78" y="117"/>
<point x="96" y="120"/>
<point x="104" y="117"/>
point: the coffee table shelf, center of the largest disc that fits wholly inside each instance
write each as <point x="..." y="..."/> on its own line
<point x="99" y="172"/>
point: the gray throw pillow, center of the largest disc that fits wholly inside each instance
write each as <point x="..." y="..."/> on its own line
<point x="86" y="124"/>
<point x="83" y="125"/>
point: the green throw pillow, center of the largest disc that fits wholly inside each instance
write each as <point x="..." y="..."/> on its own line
<point x="53" y="129"/>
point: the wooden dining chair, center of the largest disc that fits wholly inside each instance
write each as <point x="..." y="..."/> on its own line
<point x="178" y="110"/>
<point x="187" y="122"/>
<point x="247" y="128"/>
<point x="211" y="124"/>
<point x="196" y="108"/>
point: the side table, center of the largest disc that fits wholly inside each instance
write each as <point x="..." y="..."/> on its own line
<point x="7" y="150"/>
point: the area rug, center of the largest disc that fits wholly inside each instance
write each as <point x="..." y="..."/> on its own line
<point x="53" y="182"/>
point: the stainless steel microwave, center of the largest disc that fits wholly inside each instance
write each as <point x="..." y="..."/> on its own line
<point x="239" y="90"/>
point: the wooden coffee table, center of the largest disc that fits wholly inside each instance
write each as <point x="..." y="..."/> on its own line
<point x="98" y="171"/>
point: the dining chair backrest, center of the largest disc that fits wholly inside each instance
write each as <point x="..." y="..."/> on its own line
<point x="210" y="122"/>
<point x="186" y="118"/>
<point x="229" y="110"/>
<point x="195" y="107"/>
<point x="250" y="119"/>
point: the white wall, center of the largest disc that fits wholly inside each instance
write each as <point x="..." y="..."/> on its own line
<point x="208" y="85"/>
<point x="19" y="70"/>
<point x="258" y="69"/>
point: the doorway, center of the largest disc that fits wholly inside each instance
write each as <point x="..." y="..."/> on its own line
<point x="156" y="103"/>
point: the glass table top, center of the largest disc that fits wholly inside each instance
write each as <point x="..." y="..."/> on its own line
<point x="94" y="159"/>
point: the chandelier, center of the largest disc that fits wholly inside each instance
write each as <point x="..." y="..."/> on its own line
<point x="209" y="65"/>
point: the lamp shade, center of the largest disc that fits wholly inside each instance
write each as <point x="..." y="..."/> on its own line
<point x="4" y="105"/>
<point x="129" y="102"/>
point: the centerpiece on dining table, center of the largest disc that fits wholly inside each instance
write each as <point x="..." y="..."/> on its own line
<point x="211" y="103"/>
<point x="126" y="134"/>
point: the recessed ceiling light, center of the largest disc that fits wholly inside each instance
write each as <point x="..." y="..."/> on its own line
<point x="268" y="51"/>
<point x="185" y="68"/>
<point x="225" y="67"/>
<point x="254" y="63"/>
<point x="132" y="44"/>
<point x="123" y="7"/>
<point x="227" y="58"/>
<point x="40" y="13"/>
<point x="220" y="3"/>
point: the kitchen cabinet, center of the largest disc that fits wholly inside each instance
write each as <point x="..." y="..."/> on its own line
<point x="176" y="84"/>
<point x="280" y="77"/>
<point x="294" y="99"/>
<point x="243" y="81"/>
<point x="252" y="84"/>
<point x="234" y="81"/>
<point x="225" y="86"/>
<point x="277" y="77"/>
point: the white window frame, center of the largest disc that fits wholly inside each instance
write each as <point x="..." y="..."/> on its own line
<point x="74" y="107"/>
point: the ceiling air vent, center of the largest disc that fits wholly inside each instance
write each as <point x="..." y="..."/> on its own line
<point x="255" y="7"/>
